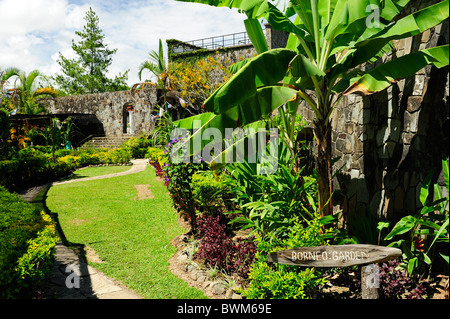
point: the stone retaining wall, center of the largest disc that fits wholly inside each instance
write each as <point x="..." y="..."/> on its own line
<point x="388" y="142"/>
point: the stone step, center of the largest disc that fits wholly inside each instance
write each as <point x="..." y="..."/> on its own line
<point x="105" y="142"/>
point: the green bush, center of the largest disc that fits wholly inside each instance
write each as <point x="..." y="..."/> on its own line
<point x="22" y="233"/>
<point x="285" y="281"/>
<point x="38" y="260"/>
<point x="31" y="166"/>
<point x="157" y="154"/>
<point x="137" y="146"/>
<point x="116" y="156"/>
<point x="8" y="172"/>
<point x="211" y="193"/>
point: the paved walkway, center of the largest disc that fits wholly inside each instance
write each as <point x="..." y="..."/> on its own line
<point x="71" y="276"/>
<point x="139" y="165"/>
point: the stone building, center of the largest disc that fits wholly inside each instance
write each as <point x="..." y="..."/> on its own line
<point x="120" y="113"/>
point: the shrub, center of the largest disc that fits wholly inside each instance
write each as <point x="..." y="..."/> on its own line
<point x="8" y="172"/>
<point x="285" y="281"/>
<point x="116" y="156"/>
<point x="137" y="146"/>
<point x="218" y="249"/>
<point x="210" y="193"/>
<point x="23" y="238"/>
<point x="157" y="155"/>
<point x="395" y="283"/>
<point x="87" y="158"/>
<point x="38" y="260"/>
<point x="179" y="178"/>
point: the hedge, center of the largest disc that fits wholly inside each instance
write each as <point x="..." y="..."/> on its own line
<point x="31" y="166"/>
<point x="27" y="246"/>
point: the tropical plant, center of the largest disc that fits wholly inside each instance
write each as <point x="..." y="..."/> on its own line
<point x="423" y="230"/>
<point x="179" y="177"/>
<point x="27" y="90"/>
<point x="283" y="197"/>
<point x="163" y="128"/>
<point x="328" y="42"/>
<point x="5" y="75"/>
<point x="160" y="68"/>
<point x="281" y="281"/>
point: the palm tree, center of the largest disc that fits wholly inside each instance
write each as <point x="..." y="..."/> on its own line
<point x="5" y="75"/>
<point x="159" y="68"/>
<point x="27" y="90"/>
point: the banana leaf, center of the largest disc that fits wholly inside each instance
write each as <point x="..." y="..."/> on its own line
<point x="403" y="67"/>
<point x="256" y="35"/>
<point x="262" y="103"/>
<point x="408" y="26"/>
<point x="267" y="68"/>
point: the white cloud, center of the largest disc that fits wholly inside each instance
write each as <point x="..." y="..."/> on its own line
<point x="33" y="32"/>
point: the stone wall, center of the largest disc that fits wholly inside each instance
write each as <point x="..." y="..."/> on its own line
<point x="111" y="110"/>
<point x="228" y="55"/>
<point x="388" y="142"/>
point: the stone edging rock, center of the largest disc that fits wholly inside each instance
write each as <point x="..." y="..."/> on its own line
<point x="198" y="277"/>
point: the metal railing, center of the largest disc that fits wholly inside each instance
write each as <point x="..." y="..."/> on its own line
<point x="213" y="43"/>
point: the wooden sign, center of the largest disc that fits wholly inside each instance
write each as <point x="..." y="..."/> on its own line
<point x="335" y="256"/>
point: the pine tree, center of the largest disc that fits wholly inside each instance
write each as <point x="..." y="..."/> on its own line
<point x="88" y="72"/>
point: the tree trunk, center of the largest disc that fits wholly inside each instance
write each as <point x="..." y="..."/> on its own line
<point x="322" y="132"/>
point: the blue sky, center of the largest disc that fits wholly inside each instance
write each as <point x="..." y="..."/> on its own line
<point x="33" y="32"/>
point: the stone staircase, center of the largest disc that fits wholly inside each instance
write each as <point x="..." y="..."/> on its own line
<point x="105" y="142"/>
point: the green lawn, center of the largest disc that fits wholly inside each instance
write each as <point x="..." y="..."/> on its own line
<point x="98" y="171"/>
<point x="131" y="236"/>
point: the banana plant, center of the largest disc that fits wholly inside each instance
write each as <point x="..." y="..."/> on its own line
<point x="328" y="41"/>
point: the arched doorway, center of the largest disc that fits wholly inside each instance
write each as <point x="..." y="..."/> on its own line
<point x="127" y="116"/>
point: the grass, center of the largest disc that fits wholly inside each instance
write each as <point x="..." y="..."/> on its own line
<point x="132" y="237"/>
<point x="98" y="171"/>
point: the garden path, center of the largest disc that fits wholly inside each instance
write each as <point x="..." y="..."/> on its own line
<point x="71" y="276"/>
<point x="139" y="165"/>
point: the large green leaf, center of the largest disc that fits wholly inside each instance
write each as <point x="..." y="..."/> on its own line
<point x="403" y="67"/>
<point x="446" y="171"/>
<point x="404" y="225"/>
<point x="301" y="66"/>
<point x="346" y="13"/>
<point x="424" y="190"/>
<point x="267" y="68"/>
<point x="262" y="103"/>
<point x="253" y="7"/>
<point x="256" y="35"/>
<point x="392" y="8"/>
<point x="304" y="12"/>
<point x="411" y="25"/>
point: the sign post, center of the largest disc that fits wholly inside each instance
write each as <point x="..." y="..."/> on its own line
<point x="341" y="256"/>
